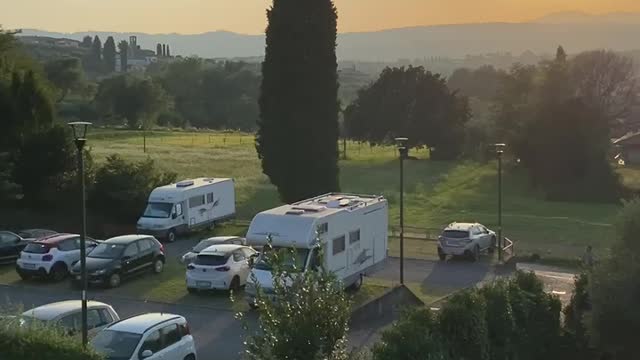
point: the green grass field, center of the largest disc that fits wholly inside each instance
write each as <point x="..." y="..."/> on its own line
<point x="436" y="192"/>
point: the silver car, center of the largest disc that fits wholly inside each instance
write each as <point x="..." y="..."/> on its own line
<point x="218" y="240"/>
<point x="68" y="315"/>
<point x="465" y="239"/>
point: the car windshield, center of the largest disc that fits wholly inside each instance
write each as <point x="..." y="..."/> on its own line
<point x="107" y="251"/>
<point x="203" y="245"/>
<point x="211" y="260"/>
<point x="158" y="210"/>
<point x="36" y="248"/>
<point x="455" y="234"/>
<point x="30" y="321"/>
<point x="116" y="345"/>
<point x="292" y="259"/>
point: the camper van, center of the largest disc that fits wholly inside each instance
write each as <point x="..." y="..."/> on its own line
<point x="188" y="205"/>
<point x="351" y="229"/>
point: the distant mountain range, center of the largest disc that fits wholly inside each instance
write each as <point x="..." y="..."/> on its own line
<point x="575" y="31"/>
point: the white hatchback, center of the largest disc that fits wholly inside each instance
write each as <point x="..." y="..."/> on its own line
<point x="68" y="316"/>
<point x="153" y="336"/>
<point x="220" y="267"/>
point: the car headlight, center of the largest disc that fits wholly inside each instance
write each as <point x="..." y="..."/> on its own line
<point x="100" y="272"/>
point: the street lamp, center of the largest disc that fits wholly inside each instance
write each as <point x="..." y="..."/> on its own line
<point x="404" y="151"/>
<point x="79" y="136"/>
<point x="499" y="152"/>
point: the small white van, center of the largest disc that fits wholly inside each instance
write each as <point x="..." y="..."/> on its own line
<point x="352" y="229"/>
<point x="188" y="205"/>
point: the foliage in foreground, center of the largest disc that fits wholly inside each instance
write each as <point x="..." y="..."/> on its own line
<point x="39" y="342"/>
<point x="307" y="316"/>
<point x="512" y="319"/>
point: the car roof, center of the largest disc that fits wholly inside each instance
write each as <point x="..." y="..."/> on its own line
<point x="126" y="239"/>
<point x="53" y="310"/>
<point x="221" y="249"/>
<point x="54" y="239"/>
<point x="461" y="226"/>
<point x="221" y="238"/>
<point x="140" y="323"/>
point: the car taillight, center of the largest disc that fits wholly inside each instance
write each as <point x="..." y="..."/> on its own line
<point x="190" y="267"/>
<point x="47" y="257"/>
<point x="224" y="268"/>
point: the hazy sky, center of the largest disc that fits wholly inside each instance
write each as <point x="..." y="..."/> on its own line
<point x="248" y="16"/>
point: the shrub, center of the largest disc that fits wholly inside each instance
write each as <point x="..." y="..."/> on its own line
<point x="500" y="320"/>
<point x="39" y="342"/>
<point x="463" y="326"/>
<point x="122" y="188"/>
<point x="414" y="336"/>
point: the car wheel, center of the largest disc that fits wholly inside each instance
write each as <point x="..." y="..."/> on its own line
<point x="235" y="284"/>
<point x="358" y="283"/>
<point x="190" y="357"/>
<point x="171" y="236"/>
<point x="492" y="247"/>
<point x="441" y="255"/>
<point x="59" y="272"/>
<point x="158" y="266"/>
<point x="475" y="254"/>
<point x="114" y="280"/>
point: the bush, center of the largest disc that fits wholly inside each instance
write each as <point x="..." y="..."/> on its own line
<point x="463" y="326"/>
<point x="122" y="188"/>
<point x="500" y="322"/>
<point x="414" y="336"/>
<point x="39" y="342"/>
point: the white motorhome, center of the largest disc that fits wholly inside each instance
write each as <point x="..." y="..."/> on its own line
<point x="351" y="229"/>
<point x="186" y="206"/>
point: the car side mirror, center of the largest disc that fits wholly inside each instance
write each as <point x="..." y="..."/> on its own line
<point x="174" y="216"/>
<point x="146" y="354"/>
<point x="251" y="261"/>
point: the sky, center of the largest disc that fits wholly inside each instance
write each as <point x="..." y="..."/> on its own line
<point x="248" y="16"/>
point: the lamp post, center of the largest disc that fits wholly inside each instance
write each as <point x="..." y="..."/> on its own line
<point x="79" y="135"/>
<point x="404" y="151"/>
<point x="499" y="153"/>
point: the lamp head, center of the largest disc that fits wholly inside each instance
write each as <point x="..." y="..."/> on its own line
<point x="79" y="129"/>
<point x="499" y="148"/>
<point x="401" y="141"/>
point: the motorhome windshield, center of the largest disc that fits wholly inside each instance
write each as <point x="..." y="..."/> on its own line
<point x="158" y="210"/>
<point x="292" y="260"/>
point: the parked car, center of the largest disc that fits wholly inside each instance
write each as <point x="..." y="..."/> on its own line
<point x="465" y="239"/>
<point x="68" y="315"/>
<point x="151" y="336"/>
<point x="122" y="257"/>
<point x="191" y="255"/>
<point x="11" y="245"/>
<point x="221" y="267"/>
<point x="52" y="256"/>
<point x="35" y="234"/>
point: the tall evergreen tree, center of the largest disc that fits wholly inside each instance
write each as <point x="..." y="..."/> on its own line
<point x="168" y="51"/>
<point x="86" y="42"/>
<point x="561" y="55"/>
<point x="297" y="140"/>
<point x="109" y="55"/>
<point x="159" y="50"/>
<point x="123" y="46"/>
<point x="164" y="50"/>
<point x="95" y="55"/>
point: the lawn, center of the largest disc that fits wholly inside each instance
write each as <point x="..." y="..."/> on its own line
<point x="436" y="192"/>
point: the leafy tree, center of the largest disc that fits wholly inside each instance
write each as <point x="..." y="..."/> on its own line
<point x="615" y="291"/>
<point x="307" y="317"/>
<point x="575" y="314"/>
<point x="298" y="124"/>
<point x="66" y="74"/>
<point x="410" y="101"/>
<point x="123" y="47"/>
<point x="86" y="42"/>
<point x="109" y="55"/>
<point x="8" y="189"/>
<point x="483" y="83"/>
<point x="121" y="188"/>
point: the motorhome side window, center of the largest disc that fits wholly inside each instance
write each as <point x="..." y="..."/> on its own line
<point x="196" y="201"/>
<point x="339" y="245"/>
<point x="323" y="228"/>
<point x="209" y="198"/>
<point x="354" y="236"/>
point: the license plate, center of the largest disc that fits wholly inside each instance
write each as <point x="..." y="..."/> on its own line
<point x="203" y="283"/>
<point x="29" y="266"/>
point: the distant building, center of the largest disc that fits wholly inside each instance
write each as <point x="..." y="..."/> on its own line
<point x="67" y="43"/>
<point x="628" y="148"/>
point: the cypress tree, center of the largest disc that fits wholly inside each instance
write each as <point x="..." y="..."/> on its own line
<point x="123" y="46"/>
<point x="86" y="42"/>
<point x="164" y="50"/>
<point x="298" y="124"/>
<point x="168" y="51"/>
<point x="158" y="50"/>
<point x="109" y="55"/>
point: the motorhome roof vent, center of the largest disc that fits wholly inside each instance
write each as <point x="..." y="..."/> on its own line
<point x="339" y="203"/>
<point x="309" y="208"/>
<point x="295" y="212"/>
<point x="185" y="183"/>
<point x="210" y="180"/>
